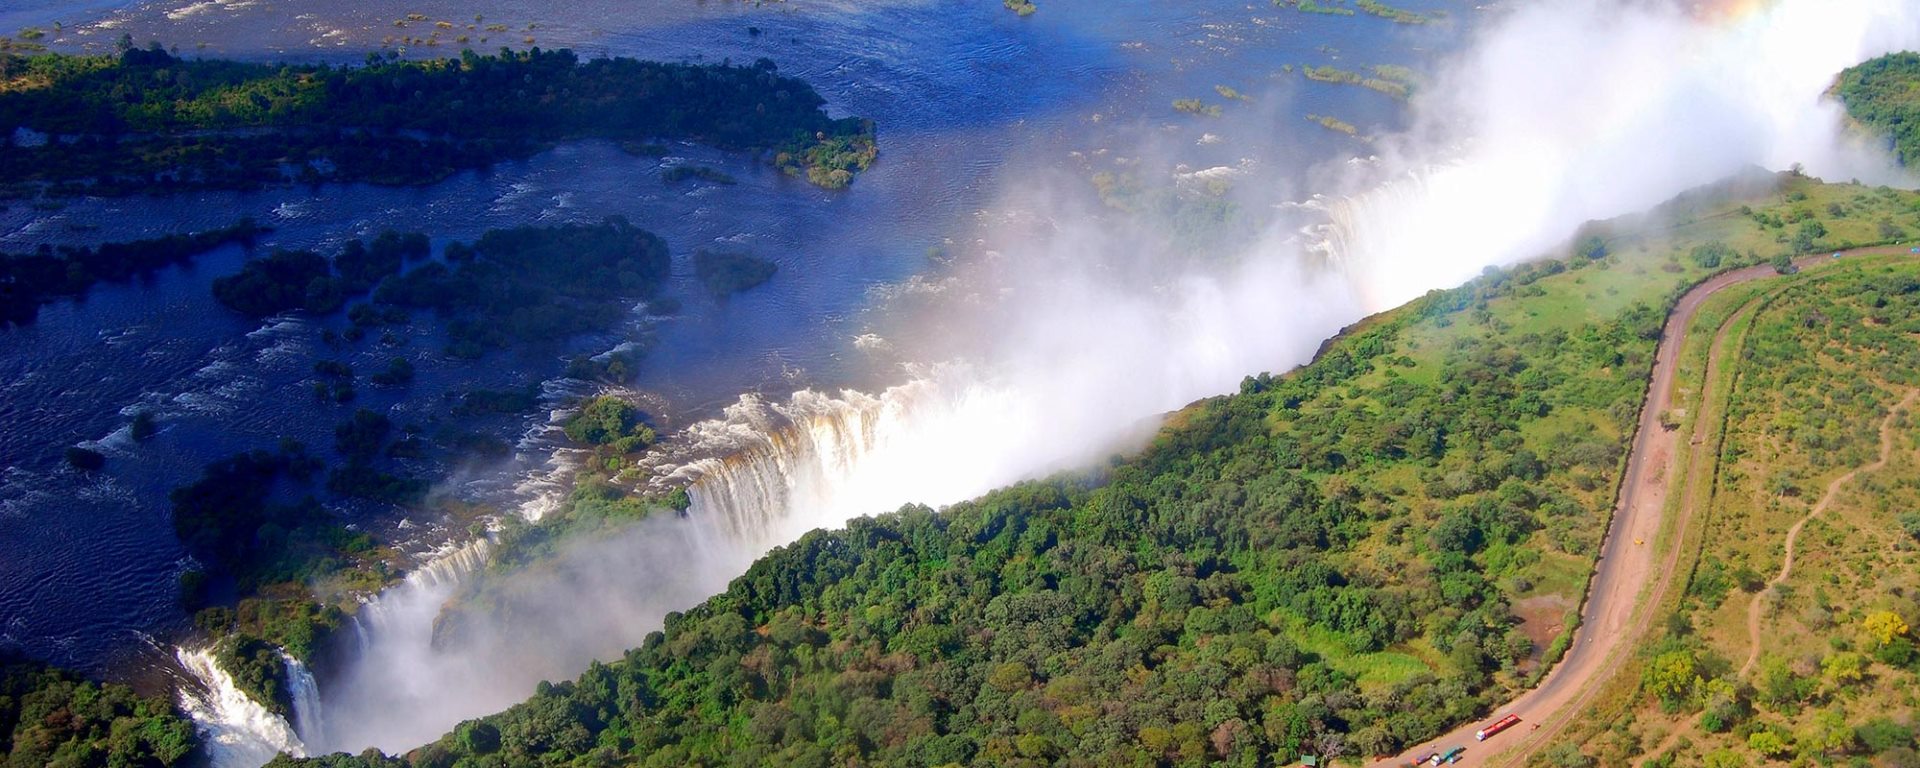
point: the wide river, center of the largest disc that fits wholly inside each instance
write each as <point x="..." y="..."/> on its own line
<point x="971" y="101"/>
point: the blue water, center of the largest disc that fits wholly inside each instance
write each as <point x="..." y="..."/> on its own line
<point x="969" y="98"/>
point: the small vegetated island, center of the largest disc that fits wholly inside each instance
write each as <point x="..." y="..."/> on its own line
<point x="518" y="285"/>
<point x="1371" y="7"/>
<point x="146" y="121"/>
<point x="1336" y="562"/>
<point x="725" y="273"/>
<point x="29" y="280"/>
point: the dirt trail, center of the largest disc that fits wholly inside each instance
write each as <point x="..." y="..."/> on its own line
<point x="1623" y="579"/>
<point x="1793" y="534"/>
<point x="1706" y="441"/>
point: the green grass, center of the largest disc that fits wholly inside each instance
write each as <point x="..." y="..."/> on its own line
<point x="1329" y="8"/>
<point x="1844" y="569"/>
<point x="1362" y="524"/>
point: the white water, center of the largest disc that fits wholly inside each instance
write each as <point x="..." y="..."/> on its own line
<point x="403" y="615"/>
<point x="415" y="679"/>
<point x="1640" y="103"/>
<point x="236" y="729"/>
<point x="241" y="732"/>
<point x="1578" y="110"/>
<point x="309" y="720"/>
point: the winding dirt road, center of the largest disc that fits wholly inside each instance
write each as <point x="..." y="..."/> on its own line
<point x="1612" y="619"/>
<point x="1793" y="534"/>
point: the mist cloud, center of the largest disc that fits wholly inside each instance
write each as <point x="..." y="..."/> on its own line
<point x="1578" y="110"/>
<point x="1080" y="326"/>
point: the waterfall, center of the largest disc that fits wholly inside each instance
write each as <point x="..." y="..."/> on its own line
<point x="405" y="613"/>
<point x="768" y="471"/>
<point x="778" y="459"/>
<point x="309" y="719"/>
<point x="241" y="733"/>
<point x="237" y="730"/>
<point x="1432" y="227"/>
<point x="593" y="597"/>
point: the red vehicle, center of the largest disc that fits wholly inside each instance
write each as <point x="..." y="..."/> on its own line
<point x="1424" y="759"/>
<point x="1497" y="726"/>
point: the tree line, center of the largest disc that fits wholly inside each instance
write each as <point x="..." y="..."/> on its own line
<point x="148" y="121"/>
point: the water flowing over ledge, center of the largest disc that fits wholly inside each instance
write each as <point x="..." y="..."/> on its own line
<point x="237" y="730"/>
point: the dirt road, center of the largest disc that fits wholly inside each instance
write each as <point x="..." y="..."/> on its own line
<point x="1624" y="580"/>
<point x="1793" y="534"/>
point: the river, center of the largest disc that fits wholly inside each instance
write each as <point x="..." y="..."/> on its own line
<point x="970" y="100"/>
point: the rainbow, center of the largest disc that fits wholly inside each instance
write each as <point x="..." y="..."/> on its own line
<point x="1729" y="10"/>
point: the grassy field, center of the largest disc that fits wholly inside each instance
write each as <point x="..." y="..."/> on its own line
<point x="1820" y="360"/>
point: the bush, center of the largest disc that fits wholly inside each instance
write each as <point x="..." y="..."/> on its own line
<point x="609" y="421"/>
<point x="281" y="281"/>
<point x="1910" y="523"/>
<point x="399" y="372"/>
<point x="1884" y="735"/>
<point x="1712" y="255"/>
<point x="1591" y="248"/>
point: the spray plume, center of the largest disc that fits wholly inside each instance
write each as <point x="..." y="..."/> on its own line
<point x="1560" y="113"/>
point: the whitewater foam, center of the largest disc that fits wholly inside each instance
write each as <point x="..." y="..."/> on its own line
<point x="236" y="730"/>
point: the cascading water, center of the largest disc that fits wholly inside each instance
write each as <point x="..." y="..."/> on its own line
<point x="309" y="720"/>
<point x="404" y="615"/>
<point x="433" y="656"/>
<point x="774" y="470"/>
<point x="241" y="733"/>
<point x="777" y="467"/>
<point x="236" y="729"/>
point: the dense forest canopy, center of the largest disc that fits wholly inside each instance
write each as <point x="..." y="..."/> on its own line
<point x="1296" y="569"/>
<point x="54" y="718"/>
<point x="1342" y="561"/>
<point x="147" y="121"/>
<point x="1884" y="95"/>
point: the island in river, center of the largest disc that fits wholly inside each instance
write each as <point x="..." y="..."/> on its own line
<point x="146" y="121"/>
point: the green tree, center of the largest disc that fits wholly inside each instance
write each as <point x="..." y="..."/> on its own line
<point x="1724" y="707"/>
<point x="1828" y="734"/>
<point x="1672" y="678"/>
<point x="1769" y="743"/>
<point x="1711" y="255"/>
<point x="1591" y="248"/>
<point x="608" y="420"/>
<point x="1844" y="668"/>
<point x="478" y="737"/>
<point x="1724" y="758"/>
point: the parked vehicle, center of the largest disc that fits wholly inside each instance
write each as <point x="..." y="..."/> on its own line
<point x="1497" y="726"/>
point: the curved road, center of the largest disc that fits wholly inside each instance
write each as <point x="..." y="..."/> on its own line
<point x="1608" y="628"/>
